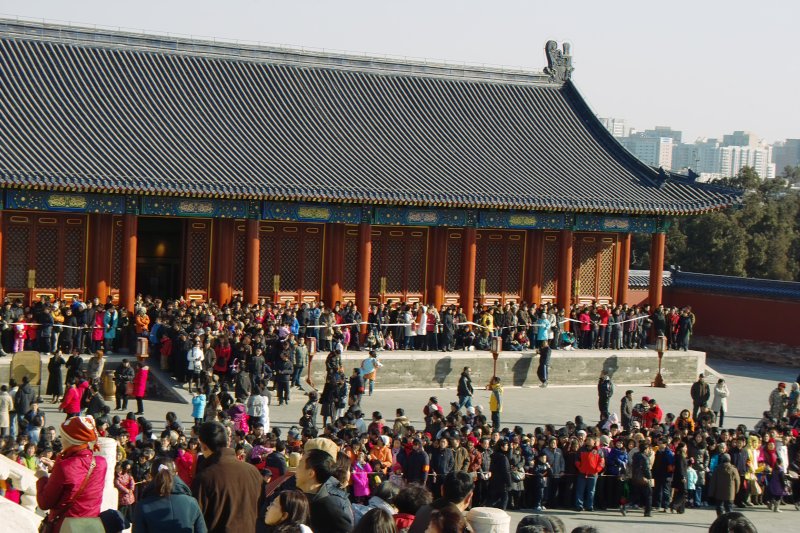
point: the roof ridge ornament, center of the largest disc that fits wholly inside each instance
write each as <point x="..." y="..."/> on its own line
<point x="559" y="63"/>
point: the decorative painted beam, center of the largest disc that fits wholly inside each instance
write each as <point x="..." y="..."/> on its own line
<point x="65" y="202"/>
<point x="193" y="207"/>
<point x="296" y="212"/>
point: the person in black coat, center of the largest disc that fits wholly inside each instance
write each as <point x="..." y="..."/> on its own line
<point x="465" y="390"/>
<point x="500" y="482"/>
<point x="605" y="390"/>
<point x="283" y="377"/>
<point x="329" y="507"/>
<point x="45" y="330"/>
<point x="74" y="364"/>
<point x="55" y="381"/>
<point x="442" y="463"/>
<point x="678" y="502"/>
<point x="448" y="330"/>
<point x="544" y="365"/>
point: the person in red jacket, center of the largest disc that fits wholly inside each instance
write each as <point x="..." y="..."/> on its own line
<point x="140" y="386"/>
<point x="77" y="469"/>
<point x="653" y="416"/>
<point x="223" y="351"/>
<point x="589" y="464"/>
<point x="71" y="404"/>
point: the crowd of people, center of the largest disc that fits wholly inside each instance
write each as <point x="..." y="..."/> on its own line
<point x="230" y="469"/>
<point x="86" y="327"/>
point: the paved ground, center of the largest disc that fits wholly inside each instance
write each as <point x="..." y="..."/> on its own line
<point x="749" y="384"/>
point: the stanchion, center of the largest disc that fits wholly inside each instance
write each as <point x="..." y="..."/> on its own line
<point x="661" y="347"/>
<point x="496" y="346"/>
<point x="311" y="343"/>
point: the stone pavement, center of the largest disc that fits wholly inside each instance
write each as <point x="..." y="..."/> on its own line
<point x="749" y="384"/>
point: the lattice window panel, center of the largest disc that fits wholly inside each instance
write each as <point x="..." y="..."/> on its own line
<point x="375" y="268"/>
<point x="452" y="273"/>
<point x="494" y="266"/>
<point x="197" y="269"/>
<point x="266" y="268"/>
<point x="549" y="268"/>
<point x="350" y="264"/>
<point x="239" y="260"/>
<point x="312" y="274"/>
<point x="47" y="257"/>
<point x="18" y="240"/>
<point x="606" y="277"/>
<point x="514" y="269"/>
<point x="480" y="264"/>
<point x="416" y="262"/>
<point x="395" y="261"/>
<point x="588" y="268"/>
<point x="116" y="255"/>
<point x="74" y="256"/>
<point x="290" y="264"/>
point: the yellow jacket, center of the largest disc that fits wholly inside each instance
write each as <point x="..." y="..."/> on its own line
<point x="496" y="399"/>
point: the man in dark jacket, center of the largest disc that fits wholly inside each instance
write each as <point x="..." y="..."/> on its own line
<point x="605" y="390"/>
<point x="448" y="331"/>
<point x="122" y="376"/>
<point x="464" y="390"/>
<point x="724" y="485"/>
<point x="626" y="410"/>
<point x="230" y="492"/>
<point x="283" y="377"/>
<point x="23" y="399"/>
<point x="328" y="504"/>
<point x="416" y="464"/>
<point x="642" y="479"/>
<point x="700" y="392"/>
<point x="442" y="463"/>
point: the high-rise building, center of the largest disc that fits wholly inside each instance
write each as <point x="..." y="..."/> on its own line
<point x="713" y="158"/>
<point x="616" y="126"/>
<point x="654" y="151"/>
<point x="786" y="154"/>
<point x="740" y="138"/>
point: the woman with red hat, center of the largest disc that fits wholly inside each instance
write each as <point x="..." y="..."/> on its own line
<point x="74" y="487"/>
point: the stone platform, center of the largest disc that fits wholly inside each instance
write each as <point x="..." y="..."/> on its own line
<point x="426" y="370"/>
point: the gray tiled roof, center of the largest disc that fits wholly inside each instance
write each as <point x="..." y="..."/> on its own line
<point x="115" y="112"/>
<point x="640" y="279"/>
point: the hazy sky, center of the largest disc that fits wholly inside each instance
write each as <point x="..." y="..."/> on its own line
<point x="706" y="67"/>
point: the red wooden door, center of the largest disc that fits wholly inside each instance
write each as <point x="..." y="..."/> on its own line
<point x="499" y="266"/>
<point x="290" y="267"/>
<point x="48" y="250"/>
<point x="397" y="270"/>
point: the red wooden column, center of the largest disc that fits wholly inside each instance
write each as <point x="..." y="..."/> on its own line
<point x="534" y="255"/>
<point x="658" y="240"/>
<point x="333" y="261"/>
<point x="624" y="267"/>
<point x="100" y="228"/>
<point x="127" y="290"/>
<point x="223" y="259"/>
<point x="252" y="255"/>
<point x="565" y="270"/>
<point x="437" y="259"/>
<point x="363" y="270"/>
<point x="468" y="257"/>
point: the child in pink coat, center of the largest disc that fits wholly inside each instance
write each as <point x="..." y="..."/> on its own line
<point x="360" y="477"/>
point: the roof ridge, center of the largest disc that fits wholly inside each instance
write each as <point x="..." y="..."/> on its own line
<point x="77" y="34"/>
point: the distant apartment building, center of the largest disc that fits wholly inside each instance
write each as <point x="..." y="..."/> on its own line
<point x="654" y="151"/>
<point x="786" y="154"/>
<point x="712" y="158"/>
<point x="616" y="126"/>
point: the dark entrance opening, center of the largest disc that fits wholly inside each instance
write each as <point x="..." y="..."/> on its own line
<point x="159" y="254"/>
